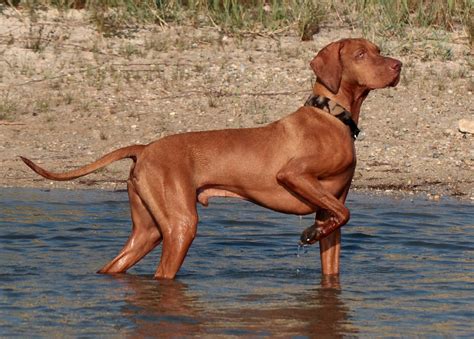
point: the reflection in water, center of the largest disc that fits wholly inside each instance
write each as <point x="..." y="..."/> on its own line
<point x="164" y="307"/>
<point x="316" y="311"/>
<point x="171" y="308"/>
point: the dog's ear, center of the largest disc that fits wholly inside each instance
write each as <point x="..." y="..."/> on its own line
<point x="328" y="67"/>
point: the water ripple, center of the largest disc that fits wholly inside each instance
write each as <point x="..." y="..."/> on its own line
<point x="407" y="270"/>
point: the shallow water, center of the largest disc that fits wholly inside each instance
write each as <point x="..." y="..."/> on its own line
<point x="407" y="269"/>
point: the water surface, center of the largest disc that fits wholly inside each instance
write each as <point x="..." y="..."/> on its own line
<point x="407" y="269"/>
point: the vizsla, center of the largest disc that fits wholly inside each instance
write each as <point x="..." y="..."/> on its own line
<point x="300" y="164"/>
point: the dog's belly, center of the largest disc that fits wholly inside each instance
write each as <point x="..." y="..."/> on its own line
<point x="280" y="201"/>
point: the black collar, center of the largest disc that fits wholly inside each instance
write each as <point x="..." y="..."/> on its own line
<point x="334" y="109"/>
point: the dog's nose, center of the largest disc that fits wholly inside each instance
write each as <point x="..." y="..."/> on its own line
<point x="396" y="65"/>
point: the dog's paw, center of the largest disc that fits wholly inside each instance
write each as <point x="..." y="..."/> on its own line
<point x="318" y="231"/>
<point x="311" y="235"/>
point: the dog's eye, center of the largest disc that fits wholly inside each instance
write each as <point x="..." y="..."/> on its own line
<point x="360" y="54"/>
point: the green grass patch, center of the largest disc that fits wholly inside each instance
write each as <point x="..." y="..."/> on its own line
<point x="380" y="17"/>
<point x="8" y="108"/>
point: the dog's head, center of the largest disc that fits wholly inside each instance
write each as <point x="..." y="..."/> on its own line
<point x="355" y="62"/>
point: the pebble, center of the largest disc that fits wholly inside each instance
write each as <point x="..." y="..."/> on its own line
<point x="96" y="133"/>
<point x="434" y="197"/>
<point x="466" y="126"/>
<point x="448" y="132"/>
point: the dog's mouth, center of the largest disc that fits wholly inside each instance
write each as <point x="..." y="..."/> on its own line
<point x="391" y="80"/>
<point x="395" y="81"/>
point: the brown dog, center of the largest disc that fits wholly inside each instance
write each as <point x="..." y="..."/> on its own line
<point x="300" y="164"/>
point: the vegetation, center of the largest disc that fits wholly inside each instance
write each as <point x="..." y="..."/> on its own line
<point x="379" y="17"/>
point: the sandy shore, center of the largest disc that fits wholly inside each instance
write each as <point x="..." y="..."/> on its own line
<point x="69" y="95"/>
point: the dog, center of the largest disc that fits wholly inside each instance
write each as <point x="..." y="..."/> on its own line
<point x="300" y="164"/>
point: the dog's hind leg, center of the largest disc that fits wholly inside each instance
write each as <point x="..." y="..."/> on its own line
<point x="145" y="236"/>
<point x="180" y="233"/>
<point x="171" y="198"/>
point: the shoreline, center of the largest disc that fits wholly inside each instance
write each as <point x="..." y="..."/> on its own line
<point x="371" y="192"/>
<point x="434" y="192"/>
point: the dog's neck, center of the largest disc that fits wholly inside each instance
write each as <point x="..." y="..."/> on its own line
<point x="346" y="97"/>
<point x="334" y="109"/>
<point x="327" y="105"/>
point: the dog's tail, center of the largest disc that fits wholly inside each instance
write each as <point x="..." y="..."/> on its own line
<point x="131" y="152"/>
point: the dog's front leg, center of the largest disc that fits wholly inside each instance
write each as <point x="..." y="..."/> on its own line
<point x="304" y="184"/>
<point x="310" y="190"/>
<point x="329" y="247"/>
<point x="301" y="180"/>
<point x="330" y="250"/>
